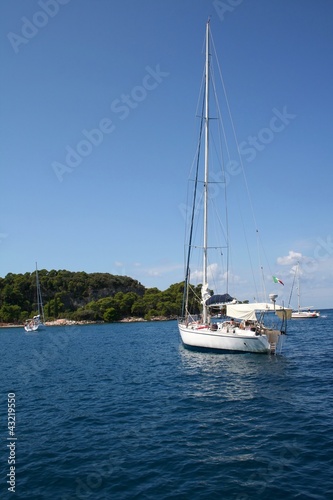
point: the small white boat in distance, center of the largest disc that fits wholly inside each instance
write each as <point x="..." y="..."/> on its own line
<point x="302" y="312"/>
<point x="37" y="322"/>
<point x="31" y="325"/>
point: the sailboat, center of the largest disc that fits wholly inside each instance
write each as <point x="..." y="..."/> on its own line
<point x="301" y="312"/>
<point x="224" y="323"/>
<point x="38" y="321"/>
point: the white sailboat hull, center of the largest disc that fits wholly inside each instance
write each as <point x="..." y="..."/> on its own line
<point x="234" y="339"/>
<point x="31" y="328"/>
<point x="305" y="314"/>
<point x="34" y="324"/>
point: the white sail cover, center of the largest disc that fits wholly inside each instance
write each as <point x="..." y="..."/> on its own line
<point x="248" y="311"/>
<point x="205" y="293"/>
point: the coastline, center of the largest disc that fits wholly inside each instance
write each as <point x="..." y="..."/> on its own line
<point x="68" y="322"/>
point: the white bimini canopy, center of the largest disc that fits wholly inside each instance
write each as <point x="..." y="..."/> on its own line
<point x="247" y="312"/>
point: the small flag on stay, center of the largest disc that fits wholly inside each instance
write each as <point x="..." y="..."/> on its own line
<point x="276" y="280"/>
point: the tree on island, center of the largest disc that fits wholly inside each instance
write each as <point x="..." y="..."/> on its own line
<point x="81" y="296"/>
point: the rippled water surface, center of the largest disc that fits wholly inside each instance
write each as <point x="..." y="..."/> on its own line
<point x="123" y="411"/>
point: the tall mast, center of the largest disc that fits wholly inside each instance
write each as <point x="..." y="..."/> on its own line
<point x="298" y="290"/>
<point x="205" y="228"/>
<point x="37" y="287"/>
<point x="39" y="297"/>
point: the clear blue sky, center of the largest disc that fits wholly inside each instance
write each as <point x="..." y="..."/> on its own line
<point x="132" y="70"/>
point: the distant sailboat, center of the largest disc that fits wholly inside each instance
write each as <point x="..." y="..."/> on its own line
<point x="224" y="323"/>
<point x="38" y="321"/>
<point x="301" y="312"/>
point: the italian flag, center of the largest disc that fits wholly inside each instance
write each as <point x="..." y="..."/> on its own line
<point x="276" y="280"/>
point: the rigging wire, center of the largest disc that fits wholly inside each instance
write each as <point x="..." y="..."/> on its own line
<point x="259" y="242"/>
<point x="187" y="268"/>
<point x="222" y="148"/>
<point x="292" y="287"/>
<point x="235" y="136"/>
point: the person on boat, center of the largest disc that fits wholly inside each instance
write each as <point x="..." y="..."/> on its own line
<point x="234" y="323"/>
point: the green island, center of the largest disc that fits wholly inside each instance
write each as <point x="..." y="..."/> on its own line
<point x="87" y="297"/>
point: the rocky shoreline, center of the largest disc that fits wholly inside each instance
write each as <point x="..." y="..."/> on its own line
<point x="68" y="322"/>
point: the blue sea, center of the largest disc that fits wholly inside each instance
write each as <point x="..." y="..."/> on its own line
<point x="124" y="411"/>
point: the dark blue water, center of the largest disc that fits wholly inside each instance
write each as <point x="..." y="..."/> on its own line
<point x="123" y="411"/>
